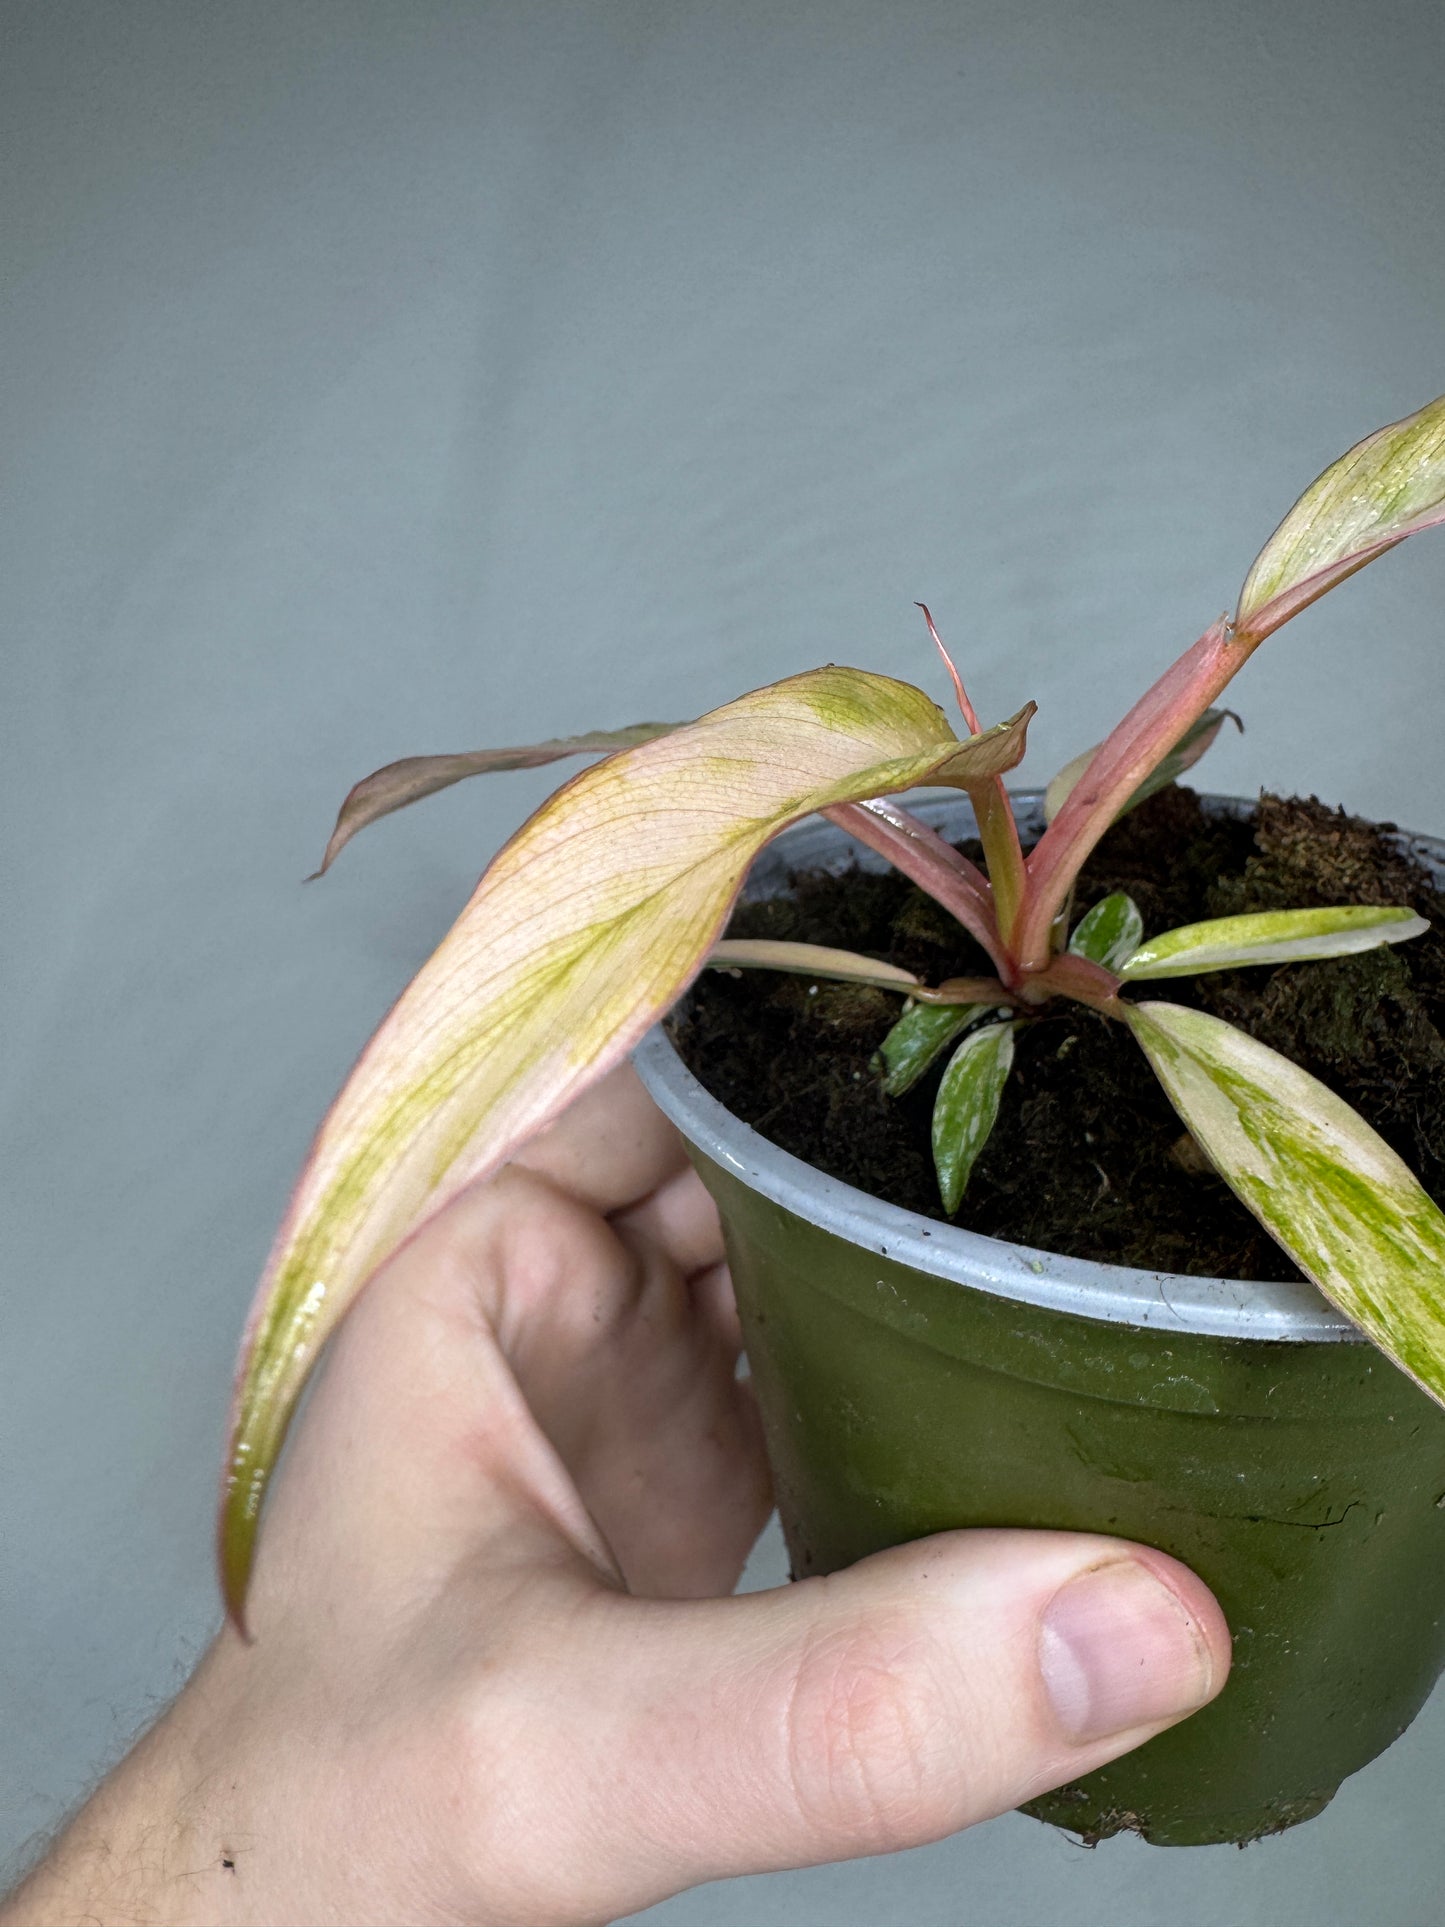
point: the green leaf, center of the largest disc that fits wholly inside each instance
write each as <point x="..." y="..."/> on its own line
<point x="588" y="925"/>
<point x="966" y="1108"/>
<point x="1110" y="932"/>
<point x="919" y="1037"/>
<point x="1386" y="487"/>
<point x="1351" y="1214"/>
<point x="809" y="960"/>
<point x="1185" y="754"/>
<point x="414" y="777"/>
<point x="1271" y="937"/>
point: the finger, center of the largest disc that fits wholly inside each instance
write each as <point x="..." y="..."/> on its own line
<point x="713" y="1301"/>
<point x="636" y="1390"/>
<point x="520" y="1370"/>
<point x="610" y="1148"/>
<point x="680" y="1220"/>
<point x="884" y="1707"/>
<point x="419" y="1444"/>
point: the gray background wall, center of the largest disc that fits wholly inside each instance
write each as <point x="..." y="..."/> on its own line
<point x="381" y="378"/>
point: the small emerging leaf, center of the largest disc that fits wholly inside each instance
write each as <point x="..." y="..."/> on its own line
<point x="809" y="960"/>
<point x="1351" y="1214"/>
<point x="1390" y="485"/>
<point x="1198" y="738"/>
<point x="966" y="1108"/>
<point x="414" y="777"/>
<point x="1110" y="932"/>
<point x="1271" y="937"/>
<point x="918" y="1039"/>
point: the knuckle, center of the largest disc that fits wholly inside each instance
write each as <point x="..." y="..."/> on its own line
<point x="866" y="1725"/>
<point x="560" y="1263"/>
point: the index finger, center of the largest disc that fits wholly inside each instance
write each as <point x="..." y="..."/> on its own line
<point x="610" y="1149"/>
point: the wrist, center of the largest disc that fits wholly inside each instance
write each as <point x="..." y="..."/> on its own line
<point x="165" y="1837"/>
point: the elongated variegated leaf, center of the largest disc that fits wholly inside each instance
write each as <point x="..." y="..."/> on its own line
<point x="1198" y="738"/>
<point x="809" y="960"/>
<point x="1351" y="1214"/>
<point x="414" y="777"/>
<point x="1386" y="487"/>
<point x="585" y="929"/>
<point x="1270" y="937"/>
<point x="919" y="1038"/>
<point x="1110" y="932"/>
<point x="966" y="1108"/>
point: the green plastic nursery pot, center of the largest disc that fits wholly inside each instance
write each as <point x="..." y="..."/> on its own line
<point x="915" y="1377"/>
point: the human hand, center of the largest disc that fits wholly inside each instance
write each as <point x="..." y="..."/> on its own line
<point x="495" y="1676"/>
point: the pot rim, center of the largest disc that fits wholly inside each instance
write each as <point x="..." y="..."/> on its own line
<point x="1116" y="1294"/>
<point x="1290" y="1312"/>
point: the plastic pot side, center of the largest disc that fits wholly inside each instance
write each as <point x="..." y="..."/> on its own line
<point x="915" y="1377"/>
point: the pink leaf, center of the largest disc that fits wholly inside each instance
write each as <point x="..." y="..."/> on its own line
<point x="414" y="777"/>
<point x="584" y="930"/>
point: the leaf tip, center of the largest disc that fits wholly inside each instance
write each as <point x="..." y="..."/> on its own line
<point x="335" y="844"/>
<point x="966" y="708"/>
<point x="234" y="1546"/>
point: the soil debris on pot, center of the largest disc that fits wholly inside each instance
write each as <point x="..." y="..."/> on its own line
<point x="1086" y="1157"/>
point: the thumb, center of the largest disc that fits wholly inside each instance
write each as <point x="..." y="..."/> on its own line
<point x="922" y="1690"/>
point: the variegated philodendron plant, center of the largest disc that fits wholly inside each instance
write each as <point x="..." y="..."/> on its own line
<point x="603" y="908"/>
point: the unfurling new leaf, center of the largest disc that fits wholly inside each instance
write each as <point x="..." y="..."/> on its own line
<point x="966" y="1108"/>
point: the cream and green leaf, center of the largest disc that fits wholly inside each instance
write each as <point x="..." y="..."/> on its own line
<point x="919" y="1039"/>
<point x="1351" y="1214"/>
<point x="1109" y="932"/>
<point x="1390" y="485"/>
<point x="966" y="1108"/>
<point x="586" y="928"/>
<point x="1270" y="937"/>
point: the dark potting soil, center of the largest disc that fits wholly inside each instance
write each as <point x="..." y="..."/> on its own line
<point x="1088" y="1157"/>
